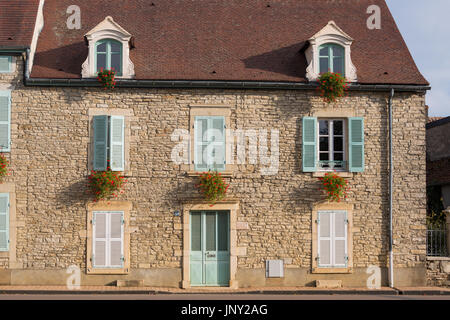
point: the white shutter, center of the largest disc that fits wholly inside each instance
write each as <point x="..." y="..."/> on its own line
<point x="324" y="238"/>
<point x="340" y="239"/>
<point x="99" y="239"/>
<point x="116" y="239"/>
<point x="117" y="143"/>
<point x="4" y="221"/>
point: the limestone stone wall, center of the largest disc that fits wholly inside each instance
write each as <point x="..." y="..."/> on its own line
<point x="49" y="160"/>
<point x="438" y="271"/>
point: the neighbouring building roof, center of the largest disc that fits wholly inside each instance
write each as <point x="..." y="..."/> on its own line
<point x="433" y="119"/>
<point x="247" y="40"/>
<point x="17" y="21"/>
<point x="437" y="121"/>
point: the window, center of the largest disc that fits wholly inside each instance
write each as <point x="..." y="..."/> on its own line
<point x="5" y="64"/>
<point x="108" y="239"/>
<point x="4" y="221"/>
<point x="109" y="55"/>
<point x="332" y="248"/>
<point x="108" y="143"/>
<point x="5" y="121"/>
<point x="333" y="144"/>
<point x="209" y="143"/>
<point x="331" y="58"/>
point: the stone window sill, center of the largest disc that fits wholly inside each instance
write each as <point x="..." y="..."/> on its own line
<point x="343" y="174"/>
<point x="332" y="270"/>
<point x="226" y="174"/>
<point x="438" y="258"/>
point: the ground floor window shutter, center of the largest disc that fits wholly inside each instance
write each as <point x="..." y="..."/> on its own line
<point x="4" y="222"/>
<point x="108" y="237"/>
<point x="332" y="239"/>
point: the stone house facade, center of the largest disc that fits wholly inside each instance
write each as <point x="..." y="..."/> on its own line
<point x="274" y="228"/>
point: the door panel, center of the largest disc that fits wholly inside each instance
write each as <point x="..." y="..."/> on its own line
<point x="210" y="255"/>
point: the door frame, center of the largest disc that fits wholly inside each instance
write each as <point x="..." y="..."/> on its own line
<point x="233" y="208"/>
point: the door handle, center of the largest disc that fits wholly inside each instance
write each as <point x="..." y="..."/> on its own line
<point x="210" y="255"/>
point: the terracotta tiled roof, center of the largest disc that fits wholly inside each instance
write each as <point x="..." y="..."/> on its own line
<point x="17" y="21"/>
<point x="226" y="40"/>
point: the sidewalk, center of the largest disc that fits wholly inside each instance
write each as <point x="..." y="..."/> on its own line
<point x="259" y="290"/>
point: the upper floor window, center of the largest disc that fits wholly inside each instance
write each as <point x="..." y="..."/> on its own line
<point x="5" y="64"/>
<point x="109" y="55"/>
<point x="109" y="48"/>
<point x="333" y="144"/>
<point x="330" y="50"/>
<point x="332" y="58"/>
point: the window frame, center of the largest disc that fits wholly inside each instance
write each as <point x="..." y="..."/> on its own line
<point x="110" y="206"/>
<point x="331" y="151"/>
<point x="10" y="65"/>
<point x="325" y="206"/>
<point x="108" y="54"/>
<point x="330" y="46"/>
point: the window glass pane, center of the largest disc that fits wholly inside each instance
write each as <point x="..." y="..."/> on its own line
<point x="196" y="242"/>
<point x="223" y="232"/>
<point x="338" y="144"/>
<point x="101" y="47"/>
<point x="324" y="144"/>
<point x="337" y="128"/>
<point x="323" y="65"/>
<point x="210" y="232"/>
<point x="338" y="65"/>
<point x="338" y="51"/>
<point x="101" y="61"/>
<point x="324" y="51"/>
<point x="324" y="156"/>
<point x="115" y="47"/>
<point x="323" y="127"/>
<point x="338" y="156"/>
<point x="115" y="62"/>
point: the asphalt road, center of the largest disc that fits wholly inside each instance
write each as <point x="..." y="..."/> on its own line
<point x="194" y="297"/>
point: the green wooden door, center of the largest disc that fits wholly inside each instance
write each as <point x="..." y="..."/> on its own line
<point x="210" y="248"/>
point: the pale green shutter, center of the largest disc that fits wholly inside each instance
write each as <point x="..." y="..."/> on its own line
<point x="117" y="142"/>
<point x="356" y="144"/>
<point x="309" y="137"/>
<point x="100" y="142"/>
<point x="200" y="143"/>
<point x="217" y="139"/>
<point x="5" y="64"/>
<point x="4" y="221"/>
<point x="5" y="121"/>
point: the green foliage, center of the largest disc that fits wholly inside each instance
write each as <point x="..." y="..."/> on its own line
<point x="212" y="186"/>
<point x="106" y="78"/>
<point x="336" y="187"/>
<point x="3" y="167"/>
<point x="105" y="184"/>
<point x="435" y="208"/>
<point x="332" y="86"/>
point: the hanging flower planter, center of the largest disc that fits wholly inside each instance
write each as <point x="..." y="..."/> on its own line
<point x="107" y="78"/>
<point x="336" y="187"/>
<point x="105" y="184"/>
<point x="332" y="86"/>
<point x="213" y="187"/>
<point x="3" y="167"/>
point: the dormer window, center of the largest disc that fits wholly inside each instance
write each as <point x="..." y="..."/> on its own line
<point x="109" y="47"/>
<point x="329" y="50"/>
<point x="331" y="58"/>
<point x="109" y="55"/>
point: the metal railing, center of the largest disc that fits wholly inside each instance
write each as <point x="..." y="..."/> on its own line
<point x="437" y="243"/>
<point x="339" y="165"/>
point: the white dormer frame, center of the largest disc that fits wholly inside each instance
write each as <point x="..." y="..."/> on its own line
<point x="331" y="33"/>
<point x="108" y="29"/>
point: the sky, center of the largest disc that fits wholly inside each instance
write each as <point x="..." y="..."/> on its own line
<point x="425" y="27"/>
